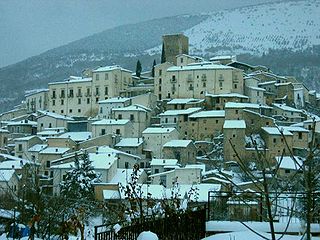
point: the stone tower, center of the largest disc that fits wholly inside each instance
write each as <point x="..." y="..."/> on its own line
<point x="173" y="45"/>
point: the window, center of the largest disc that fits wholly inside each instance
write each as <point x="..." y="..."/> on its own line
<point x="163" y="180"/>
<point x="97" y="99"/>
<point x="159" y="88"/>
<point x="235" y="86"/>
<point x="97" y="76"/>
<point x="103" y="131"/>
<point x="101" y="110"/>
<point x="175" y="120"/>
<point x="204" y="84"/>
<point x="274" y="140"/>
<point x="156" y="170"/>
<point x="53" y="102"/>
<point x="88" y="92"/>
<point x="79" y="100"/>
<point x="62" y="93"/>
<point x="106" y="92"/>
<point x="88" y="100"/>
<point x="20" y="147"/>
<point x="217" y="121"/>
<point x="117" y="131"/>
<point x="62" y="111"/>
<point x="220" y="84"/>
<point x="160" y="72"/>
<point x="79" y="110"/>
<point x="174" y="78"/>
<point x="97" y="90"/>
<point x="106" y="76"/>
<point x="234" y="135"/>
<point x="300" y="135"/>
<point x="71" y="93"/>
<point x="62" y="101"/>
<point x="70" y="110"/>
<point x="48" y="164"/>
<point x="131" y="117"/>
<point x="181" y="60"/>
<point x="79" y="92"/>
<point x="54" y="94"/>
<point x="160" y="80"/>
<point x="258" y="93"/>
<point x="287" y="171"/>
<point x="119" y="116"/>
<point x="166" y="120"/>
<point x="237" y="111"/>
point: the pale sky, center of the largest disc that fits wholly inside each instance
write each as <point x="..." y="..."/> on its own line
<point x="29" y="27"/>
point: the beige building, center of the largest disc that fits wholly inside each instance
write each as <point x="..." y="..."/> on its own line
<point x="255" y="121"/>
<point x="218" y="101"/>
<point x="14" y="113"/>
<point x="205" y="125"/>
<point x="138" y="115"/>
<point x="3" y="137"/>
<point x="160" y="76"/>
<point x="286" y="113"/>
<point x="184" y="103"/>
<point x="275" y="141"/>
<point x="177" y="119"/>
<point x="9" y="182"/>
<point x="106" y="106"/>
<point x="185" y="59"/>
<point x="122" y="127"/>
<point x="178" y="175"/>
<point x="23" y="127"/>
<point x="78" y="96"/>
<point x="235" y="110"/>
<point x="155" y="137"/>
<point x="233" y="133"/>
<point x="163" y="165"/>
<point x="37" y="100"/>
<point x="194" y="80"/>
<point x="182" y="150"/>
<point x="52" y="120"/>
<point x="23" y="144"/>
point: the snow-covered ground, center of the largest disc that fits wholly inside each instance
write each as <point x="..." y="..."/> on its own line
<point x="245" y="235"/>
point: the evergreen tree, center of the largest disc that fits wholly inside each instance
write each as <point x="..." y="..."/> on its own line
<point x="163" y="56"/>
<point x="79" y="181"/>
<point x="138" y="69"/>
<point x="153" y="65"/>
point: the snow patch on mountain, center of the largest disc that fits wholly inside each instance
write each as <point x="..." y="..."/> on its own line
<point x="293" y="25"/>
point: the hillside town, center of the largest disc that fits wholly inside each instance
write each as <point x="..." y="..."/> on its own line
<point x="222" y="133"/>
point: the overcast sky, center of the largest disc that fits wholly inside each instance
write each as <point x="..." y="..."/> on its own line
<point x="29" y="27"/>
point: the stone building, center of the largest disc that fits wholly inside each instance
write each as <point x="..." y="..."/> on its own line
<point x="182" y="150"/>
<point x="37" y="100"/>
<point x="173" y="45"/>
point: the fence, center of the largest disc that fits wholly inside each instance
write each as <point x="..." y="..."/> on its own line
<point x="190" y="225"/>
<point x="251" y="206"/>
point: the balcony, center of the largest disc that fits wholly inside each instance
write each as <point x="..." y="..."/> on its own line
<point x="79" y="94"/>
<point x="88" y="94"/>
<point x="173" y="80"/>
<point x="62" y="96"/>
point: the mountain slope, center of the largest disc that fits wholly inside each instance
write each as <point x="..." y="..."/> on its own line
<point x="284" y="36"/>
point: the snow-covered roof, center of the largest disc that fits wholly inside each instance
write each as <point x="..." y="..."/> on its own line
<point x="256" y="88"/>
<point x="226" y="57"/>
<point x="111" y="68"/>
<point x="227" y="95"/>
<point x="129" y="142"/>
<point x="123" y="176"/>
<point x="77" y="136"/>
<point x="14" y="164"/>
<point x="10" y="157"/>
<point x="3" y="130"/>
<point x="177" y="143"/>
<point x="135" y="107"/>
<point x="184" y="101"/>
<point x="109" y="194"/>
<point x="8" y="214"/>
<point x="179" y="112"/>
<point x="37" y="148"/>
<point x="202" y="167"/>
<point x="208" y="114"/>
<point x="199" y="66"/>
<point x="115" y="100"/>
<point x="6" y="175"/>
<point x="55" y="150"/>
<point x="234" y="124"/>
<point x="72" y="79"/>
<point x="22" y="122"/>
<point x="245" y="105"/>
<point x="157" y="130"/>
<point x="267" y="83"/>
<point x="35" y="91"/>
<point x="163" y="162"/>
<point x="109" y="150"/>
<point x="54" y="115"/>
<point x="275" y="131"/>
<point x="111" y="122"/>
<point x="27" y="138"/>
<point x="287" y="108"/>
<point x="295" y="129"/>
<point x="287" y="162"/>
